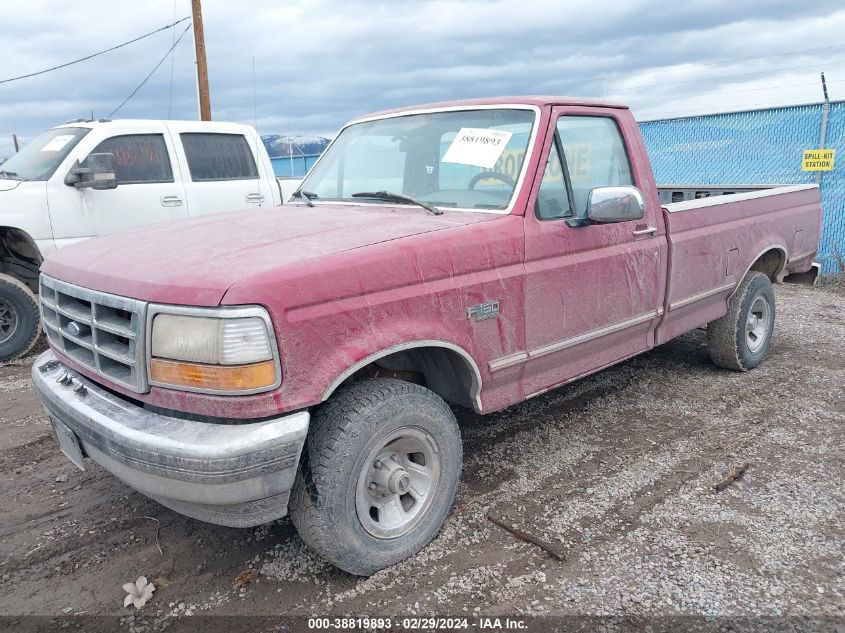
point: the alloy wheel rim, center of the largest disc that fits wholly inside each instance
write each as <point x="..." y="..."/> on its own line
<point x="757" y="324"/>
<point x="8" y="321"/>
<point x="397" y="482"/>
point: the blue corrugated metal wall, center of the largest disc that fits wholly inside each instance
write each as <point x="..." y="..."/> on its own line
<point x="756" y="147"/>
<point x="293" y="166"/>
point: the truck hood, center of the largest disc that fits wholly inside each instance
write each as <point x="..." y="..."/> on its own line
<point x="7" y="185"/>
<point x="194" y="262"/>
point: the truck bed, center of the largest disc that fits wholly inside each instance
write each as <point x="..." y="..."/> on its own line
<point x="714" y="241"/>
<point x="669" y="193"/>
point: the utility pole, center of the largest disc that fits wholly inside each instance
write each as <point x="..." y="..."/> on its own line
<point x="202" y="65"/>
<point x="17" y="144"/>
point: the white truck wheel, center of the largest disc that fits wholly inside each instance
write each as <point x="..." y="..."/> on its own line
<point x="20" y="320"/>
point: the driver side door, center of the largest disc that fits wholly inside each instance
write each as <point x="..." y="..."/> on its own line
<point x="593" y="293"/>
<point x="149" y="188"/>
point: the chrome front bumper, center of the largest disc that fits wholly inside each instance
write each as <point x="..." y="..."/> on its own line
<point x="237" y="474"/>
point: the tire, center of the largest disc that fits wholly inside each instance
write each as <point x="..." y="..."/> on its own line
<point x="741" y="338"/>
<point x="333" y="505"/>
<point x="20" y="321"/>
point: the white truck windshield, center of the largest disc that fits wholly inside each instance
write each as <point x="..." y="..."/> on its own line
<point x="467" y="159"/>
<point x="40" y="158"/>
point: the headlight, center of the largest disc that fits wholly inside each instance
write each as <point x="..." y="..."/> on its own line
<point x="228" y="351"/>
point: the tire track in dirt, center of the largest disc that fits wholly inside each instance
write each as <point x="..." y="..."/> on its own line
<point x="686" y="457"/>
<point x="689" y="480"/>
<point x="611" y="491"/>
<point x="468" y="535"/>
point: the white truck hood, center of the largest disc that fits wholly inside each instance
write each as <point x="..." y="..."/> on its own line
<point x="8" y="185"/>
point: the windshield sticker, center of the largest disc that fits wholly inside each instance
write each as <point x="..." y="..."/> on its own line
<point x="477" y="146"/>
<point x="58" y="143"/>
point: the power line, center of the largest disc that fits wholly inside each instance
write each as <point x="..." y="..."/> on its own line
<point x="744" y="108"/>
<point x="686" y="114"/>
<point x="86" y="58"/>
<point x="140" y="85"/>
<point x="756" y="72"/>
<point x="731" y="61"/>
<point x="730" y="92"/>
<point x="645" y="73"/>
<point x="750" y="59"/>
<point x="172" y="63"/>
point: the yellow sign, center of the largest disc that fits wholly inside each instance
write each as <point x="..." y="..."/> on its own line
<point x="579" y="160"/>
<point x="818" y="160"/>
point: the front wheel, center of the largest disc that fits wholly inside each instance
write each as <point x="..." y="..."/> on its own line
<point x="379" y="473"/>
<point x="20" y="322"/>
<point x="741" y="338"/>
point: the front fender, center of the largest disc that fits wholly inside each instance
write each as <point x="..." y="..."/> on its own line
<point x="351" y="344"/>
<point x="24" y="208"/>
<point x="466" y="357"/>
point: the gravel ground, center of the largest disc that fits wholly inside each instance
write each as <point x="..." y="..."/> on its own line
<point x="615" y="473"/>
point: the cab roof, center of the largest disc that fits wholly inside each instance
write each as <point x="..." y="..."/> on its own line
<point x="133" y="123"/>
<point x="530" y="100"/>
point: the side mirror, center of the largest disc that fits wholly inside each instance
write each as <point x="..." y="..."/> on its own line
<point x="615" y="204"/>
<point x="96" y="172"/>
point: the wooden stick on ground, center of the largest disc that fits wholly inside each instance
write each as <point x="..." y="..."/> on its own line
<point x="731" y="476"/>
<point x="528" y="538"/>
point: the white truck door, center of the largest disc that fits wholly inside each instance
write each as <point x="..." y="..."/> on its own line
<point x="64" y="202"/>
<point x="265" y="170"/>
<point x="222" y="173"/>
<point x="149" y="184"/>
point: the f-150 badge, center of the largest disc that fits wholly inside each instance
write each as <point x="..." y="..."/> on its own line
<point x="483" y="311"/>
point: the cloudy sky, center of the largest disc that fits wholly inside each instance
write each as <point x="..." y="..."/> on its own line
<point x="319" y="63"/>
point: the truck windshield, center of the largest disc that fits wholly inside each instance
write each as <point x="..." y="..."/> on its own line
<point x="40" y="158"/>
<point x="467" y="159"/>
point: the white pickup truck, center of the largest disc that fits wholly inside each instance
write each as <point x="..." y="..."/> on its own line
<point x="87" y="178"/>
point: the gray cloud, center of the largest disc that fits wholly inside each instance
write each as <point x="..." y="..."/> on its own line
<point x="320" y="63"/>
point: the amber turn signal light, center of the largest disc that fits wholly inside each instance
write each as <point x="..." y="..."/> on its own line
<point x="213" y="377"/>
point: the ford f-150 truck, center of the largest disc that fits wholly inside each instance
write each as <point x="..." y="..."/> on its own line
<point x="87" y="178"/>
<point x="475" y="253"/>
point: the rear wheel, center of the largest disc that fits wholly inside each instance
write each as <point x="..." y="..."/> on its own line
<point x="378" y="475"/>
<point x="20" y="322"/>
<point x="741" y="338"/>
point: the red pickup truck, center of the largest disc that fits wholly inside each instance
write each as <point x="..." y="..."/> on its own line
<point x="304" y="359"/>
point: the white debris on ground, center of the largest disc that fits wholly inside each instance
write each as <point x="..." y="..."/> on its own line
<point x="292" y="561"/>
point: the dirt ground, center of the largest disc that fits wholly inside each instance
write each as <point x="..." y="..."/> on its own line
<point x="615" y="472"/>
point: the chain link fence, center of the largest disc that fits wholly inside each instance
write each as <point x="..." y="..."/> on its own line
<point x="757" y="147"/>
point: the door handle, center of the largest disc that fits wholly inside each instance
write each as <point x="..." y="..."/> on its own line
<point x="255" y="197"/>
<point x="649" y="231"/>
<point x="171" y="201"/>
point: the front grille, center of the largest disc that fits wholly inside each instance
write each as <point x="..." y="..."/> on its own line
<point x="100" y="331"/>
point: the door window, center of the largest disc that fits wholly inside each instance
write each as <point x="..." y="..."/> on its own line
<point x="138" y="158"/>
<point x="595" y="156"/>
<point x="553" y="197"/>
<point x="218" y="157"/>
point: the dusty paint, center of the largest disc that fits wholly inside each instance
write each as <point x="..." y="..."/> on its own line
<point x="343" y="282"/>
